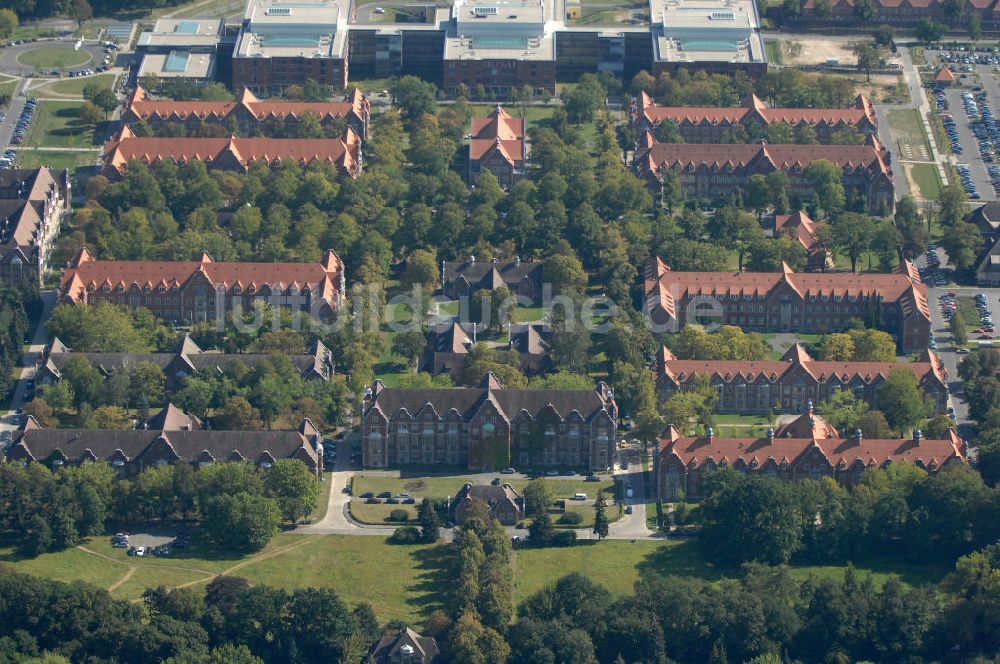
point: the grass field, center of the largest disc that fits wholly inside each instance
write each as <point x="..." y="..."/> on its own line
<point x="773" y="50"/>
<point x="70" y="160"/>
<point x="927" y="178"/>
<point x="213" y="9"/>
<point x="53" y="57"/>
<point x="442" y="487"/>
<point x="401" y="582"/>
<point x="57" y="125"/>
<point x="530" y="113"/>
<point x="8" y="87"/>
<point x="907" y="125"/>
<point x="74" y="86"/>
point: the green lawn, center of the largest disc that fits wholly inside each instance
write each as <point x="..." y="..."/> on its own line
<point x="907" y="124"/>
<point x="70" y="160"/>
<point x="8" y="87"/>
<point x="528" y="314"/>
<point x="600" y="17"/>
<point x="53" y="57"/>
<point x="744" y="420"/>
<point x="774" y="54"/>
<point x="529" y="113"/>
<point x="927" y="178"/>
<point x="966" y="306"/>
<point x="379" y="514"/>
<point x="57" y="125"/>
<point x="214" y="9"/>
<point x="442" y="487"/>
<point x="401" y="582"/>
<point x="74" y="86"/>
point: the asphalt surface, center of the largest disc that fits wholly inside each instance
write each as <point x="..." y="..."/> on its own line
<point x="971" y="156"/>
<point x="39" y="339"/>
<point x="12" y="112"/>
<point x="9" y="63"/>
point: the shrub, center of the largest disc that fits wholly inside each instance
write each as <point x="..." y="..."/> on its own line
<point x="564" y="538"/>
<point x="571" y="518"/>
<point x="401" y="516"/>
<point x="405" y="535"/>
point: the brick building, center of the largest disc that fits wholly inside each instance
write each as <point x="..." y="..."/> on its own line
<point x="204" y="290"/>
<point x="286" y="43"/>
<point x="699" y="124"/>
<point x="681" y="461"/>
<point x="234" y="153"/>
<point x="497" y="145"/>
<point x="463" y="278"/>
<point x="794" y="381"/>
<point x="501" y="46"/>
<point x="803" y="230"/>
<point x="32" y="202"/>
<point x="714" y="171"/>
<point x="504" y="503"/>
<point x="448" y="346"/>
<point x="186" y="359"/>
<point x="903" y="12"/>
<point x="489" y="427"/>
<point x="788" y="301"/>
<point x="133" y="450"/>
<point x="248" y="115"/>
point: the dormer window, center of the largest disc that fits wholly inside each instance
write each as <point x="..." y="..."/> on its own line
<point x="237" y="290"/>
<point x="161" y="288"/>
<point x="105" y="288"/>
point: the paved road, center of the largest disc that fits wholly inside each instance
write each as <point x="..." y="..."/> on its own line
<point x="13" y="111"/>
<point x="9" y="63"/>
<point x="38" y="341"/>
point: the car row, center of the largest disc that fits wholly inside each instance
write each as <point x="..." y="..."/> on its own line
<point x="968" y="184"/>
<point x="985" y="315"/>
<point x="7" y="160"/>
<point x="952" y="130"/>
<point x="24" y="121"/>
<point x="984" y="57"/>
<point x="162" y="550"/>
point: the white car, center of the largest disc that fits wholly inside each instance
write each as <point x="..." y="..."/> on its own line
<point x="379" y="10"/>
<point x="140" y="551"/>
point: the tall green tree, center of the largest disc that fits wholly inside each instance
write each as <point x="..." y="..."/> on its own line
<point x="600" y="516"/>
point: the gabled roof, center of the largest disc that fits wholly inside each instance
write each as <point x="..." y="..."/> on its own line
<point x="662" y="285"/>
<point x="944" y="75"/>
<point x="669" y="368"/>
<point x="860" y="112"/>
<point x="322" y="279"/>
<point x="497" y="133"/>
<point x="225" y="152"/>
<point x="172" y="418"/>
<point x="868" y="157"/>
<point x="466" y="401"/>
<point x="142" y="106"/>
<point x="482" y="274"/>
<point x="391" y="647"/>
<point x="804" y="228"/>
<point x="840" y="453"/>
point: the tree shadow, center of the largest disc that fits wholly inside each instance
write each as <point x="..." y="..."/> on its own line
<point x="436" y="573"/>
<point x="679" y="559"/>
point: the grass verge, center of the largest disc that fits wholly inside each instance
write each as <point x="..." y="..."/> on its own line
<point x="927" y="178"/>
<point x="57" y="124"/>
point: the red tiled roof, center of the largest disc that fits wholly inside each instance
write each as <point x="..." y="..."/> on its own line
<point x="805" y="228"/>
<point x="665" y="284"/>
<point x="944" y="75"/>
<point x="839" y="452"/>
<point x="677" y="370"/>
<point x="142" y="106"/>
<point x="497" y="131"/>
<point x="858" y="113"/>
<point x="780" y="156"/>
<point x="322" y="278"/>
<point x="342" y="152"/>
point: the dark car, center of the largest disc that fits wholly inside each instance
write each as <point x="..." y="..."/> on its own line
<point x="367" y="494"/>
<point x="409" y="501"/>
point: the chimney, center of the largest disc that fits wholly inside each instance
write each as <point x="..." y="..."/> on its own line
<point x="917" y="436"/>
<point x="473" y="333"/>
<point x="517" y="260"/>
<point x="472" y="259"/>
<point x="710" y="433"/>
<point x="809" y="407"/>
<point x="857" y="436"/>
<point x="770" y="435"/>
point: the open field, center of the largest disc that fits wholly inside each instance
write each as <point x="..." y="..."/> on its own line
<point x="908" y="127"/>
<point x="55" y="159"/>
<point x="401" y="582"/>
<point x="802" y="51"/>
<point x="71" y="87"/>
<point x="54" y="57"/>
<point x="442" y="487"/>
<point x="57" y="125"/>
<point x="529" y="113"/>
<point x="927" y="179"/>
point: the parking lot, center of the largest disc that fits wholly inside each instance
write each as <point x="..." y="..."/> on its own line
<point x="969" y="114"/>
